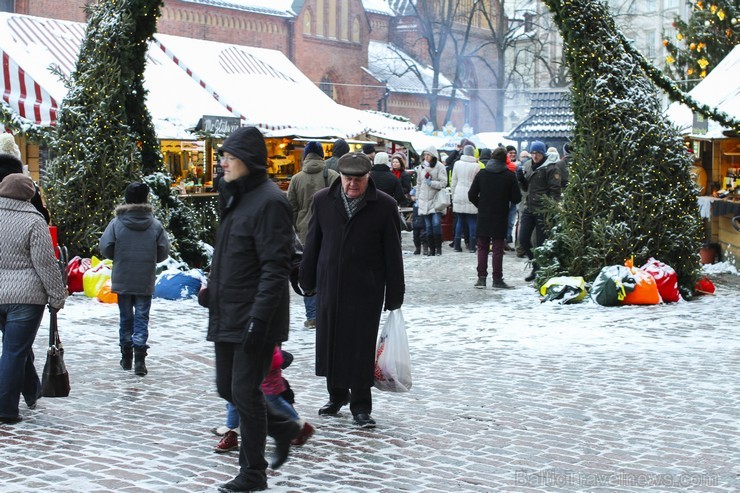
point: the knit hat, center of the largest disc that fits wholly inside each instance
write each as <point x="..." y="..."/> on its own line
<point x="510" y="148"/>
<point x="8" y="145"/>
<point x="499" y="154"/>
<point x="381" y="158"/>
<point x="17" y="186"/>
<point x="313" y="147"/>
<point x="9" y="165"/>
<point x="538" y="146"/>
<point x="341" y="147"/>
<point x="368" y="148"/>
<point x="247" y="144"/>
<point x="354" y="164"/>
<point x="468" y="150"/>
<point x="136" y="193"/>
<point x="485" y="155"/>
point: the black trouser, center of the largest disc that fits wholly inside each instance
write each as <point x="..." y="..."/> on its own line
<point x="360" y="398"/>
<point x="238" y="379"/>
<point x="528" y="223"/>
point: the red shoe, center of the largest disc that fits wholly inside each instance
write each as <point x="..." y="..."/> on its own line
<point x="229" y="442"/>
<point x="304" y="435"/>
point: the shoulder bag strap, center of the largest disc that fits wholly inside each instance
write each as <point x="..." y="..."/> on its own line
<point x="326" y="176"/>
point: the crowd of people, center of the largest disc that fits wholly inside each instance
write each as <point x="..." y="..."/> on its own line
<point x="335" y="212"/>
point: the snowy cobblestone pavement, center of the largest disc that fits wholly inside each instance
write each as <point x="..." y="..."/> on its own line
<point x="508" y="395"/>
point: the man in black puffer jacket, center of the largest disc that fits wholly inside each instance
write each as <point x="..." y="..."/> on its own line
<point x="249" y="300"/>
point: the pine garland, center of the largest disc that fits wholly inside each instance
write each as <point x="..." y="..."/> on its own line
<point x="17" y="124"/>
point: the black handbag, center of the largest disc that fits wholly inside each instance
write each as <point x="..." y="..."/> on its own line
<point x="55" y="379"/>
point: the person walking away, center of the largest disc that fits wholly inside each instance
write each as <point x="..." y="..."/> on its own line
<point x="248" y="300"/>
<point x="369" y="151"/>
<point x="431" y="180"/>
<point x="339" y="149"/>
<point x="462" y="178"/>
<point x="314" y="176"/>
<point x="353" y="260"/>
<point x="136" y="241"/>
<point x="10" y="162"/>
<point x="30" y="279"/>
<point x="493" y="189"/>
<point x="544" y="181"/>
<point x="384" y="180"/>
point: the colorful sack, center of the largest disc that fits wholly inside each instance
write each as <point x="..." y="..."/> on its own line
<point x="105" y="295"/>
<point x="666" y="279"/>
<point x="178" y="285"/>
<point x="612" y="285"/>
<point x="704" y="286"/>
<point x="76" y="268"/>
<point x="645" y="291"/>
<point x="564" y="289"/>
<point x="93" y="279"/>
<point x="392" y="359"/>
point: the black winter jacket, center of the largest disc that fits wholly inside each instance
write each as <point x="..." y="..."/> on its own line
<point x="492" y="191"/>
<point x="251" y="261"/>
<point x="386" y="181"/>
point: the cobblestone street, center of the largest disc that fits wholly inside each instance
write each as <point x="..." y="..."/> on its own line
<point x="508" y="395"/>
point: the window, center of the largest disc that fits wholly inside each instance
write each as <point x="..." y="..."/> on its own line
<point x="344" y="21"/>
<point x="7" y="5"/>
<point x="319" y="17"/>
<point x="307" y="22"/>
<point x="328" y="88"/>
<point x="331" y="30"/>
<point x="670" y="4"/>
<point x="650" y="44"/>
<point x="651" y="5"/>
<point x="356" y="30"/>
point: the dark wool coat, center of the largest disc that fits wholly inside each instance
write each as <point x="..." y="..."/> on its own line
<point x="386" y="181"/>
<point x="493" y="189"/>
<point x="251" y="261"/>
<point x="352" y="264"/>
<point x="136" y="242"/>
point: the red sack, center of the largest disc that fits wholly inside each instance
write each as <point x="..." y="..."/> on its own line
<point x="75" y="270"/>
<point x="666" y="279"/>
<point x="704" y="286"/>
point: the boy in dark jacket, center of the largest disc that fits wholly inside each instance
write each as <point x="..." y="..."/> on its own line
<point x="136" y="242"/>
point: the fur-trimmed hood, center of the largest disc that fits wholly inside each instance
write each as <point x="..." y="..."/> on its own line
<point x="135" y="216"/>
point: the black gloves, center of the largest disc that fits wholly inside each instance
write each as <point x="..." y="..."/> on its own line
<point x="255" y="336"/>
<point x="391" y="307"/>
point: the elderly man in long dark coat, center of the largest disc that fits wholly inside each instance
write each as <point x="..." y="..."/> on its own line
<point x="352" y="258"/>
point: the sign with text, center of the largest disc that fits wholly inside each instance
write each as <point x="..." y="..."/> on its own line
<point x="220" y="125"/>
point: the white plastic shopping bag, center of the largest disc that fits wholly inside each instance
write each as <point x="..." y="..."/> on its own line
<point x="392" y="360"/>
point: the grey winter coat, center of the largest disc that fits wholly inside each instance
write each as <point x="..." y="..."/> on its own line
<point x="29" y="273"/>
<point x="352" y="264"/>
<point x="251" y="261"/>
<point x="136" y="242"/>
<point x="544" y="180"/>
<point x="301" y="189"/>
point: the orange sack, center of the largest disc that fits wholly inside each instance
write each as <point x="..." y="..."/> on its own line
<point x="646" y="290"/>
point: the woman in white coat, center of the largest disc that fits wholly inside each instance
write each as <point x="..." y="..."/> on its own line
<point x="431" y="180"/>
<point x="467" y="214"/>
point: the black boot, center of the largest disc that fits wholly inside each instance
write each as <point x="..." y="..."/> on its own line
<point x="432" y="247"/>
<point x="456" y="245"/>
<point x="127" y="356"/>
<point x="417" y="245"/>
<point x="438" y="242"/>
<point x="424" y="247"/>
<point x="139" y="364"/>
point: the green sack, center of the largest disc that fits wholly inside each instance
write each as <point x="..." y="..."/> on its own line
<point x="564" y="289"/>
<point x="612" y="285"/>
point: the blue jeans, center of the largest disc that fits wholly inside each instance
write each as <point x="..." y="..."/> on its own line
<point x="19" y="324"/>
<point x="278" y="404"/>
<point x="310" y="303"/>
<point x="433" y="223"/>
<point x="134" y="324"/>
<point x="232" y="416"/>
<point x="468" y="220"/>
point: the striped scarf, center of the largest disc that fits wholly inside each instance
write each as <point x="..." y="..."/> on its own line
<point x="351" y="205"/>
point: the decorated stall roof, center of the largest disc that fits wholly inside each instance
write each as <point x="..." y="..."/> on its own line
<point x="32" y="48"/>
<point x="550" y="118"/>
<point x="281" y="8"/>
<point x="720" y="89"/>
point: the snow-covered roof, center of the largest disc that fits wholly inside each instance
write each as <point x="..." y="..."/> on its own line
<point x="402" y="73"/>
<point x="550" y="117"/>
<point x="281" y="8"/>
<point x="377" y="7"/>
<point x="32" y="45"/>
<point x="719" y="89"/>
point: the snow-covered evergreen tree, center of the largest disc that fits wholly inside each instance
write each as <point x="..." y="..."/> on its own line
<point x="630" y="193"/>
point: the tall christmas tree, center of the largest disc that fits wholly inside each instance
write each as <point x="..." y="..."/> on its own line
<point x="711" y="32"/>
<point x="630" y="193"/>
<point x="105" y="136"/>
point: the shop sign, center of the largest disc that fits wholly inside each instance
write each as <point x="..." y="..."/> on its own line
<point x="700" y="125"/>
<point x="220" y="125"/>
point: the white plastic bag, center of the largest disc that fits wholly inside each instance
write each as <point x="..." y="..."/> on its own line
<point x="392" y="360"/>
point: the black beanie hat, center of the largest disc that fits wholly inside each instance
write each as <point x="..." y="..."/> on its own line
<point x="313" y="147"/>
<point x="137" y="193"/>
<point x="247" y="144"/>
<point x="510" y="148"/>
<point x="368" y="148"/>
<point x="485" y="154"/>
<point x="9" y="164"/>
<point x="341" y="147"/>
